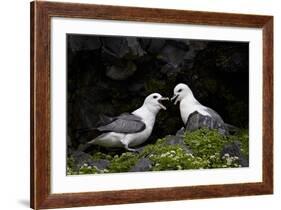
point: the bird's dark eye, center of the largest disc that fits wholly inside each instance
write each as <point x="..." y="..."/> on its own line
<point x="154" y="96"/>
<point x="179" y="90"/>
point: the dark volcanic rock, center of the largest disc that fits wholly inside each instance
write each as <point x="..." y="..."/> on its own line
<point x="143" y="164"/>
<point x="122" y="46"/>
<point x="135" y="48"/>
<point x="81" y="158"/>
<point x="152" y="45"/>
<point x="196" y="121"/>
<point x="172" y="140"/>
<point x="170" y="70"/>
<point x="113" y="74"/>
<point x="177" y="140"/>
<point x="84" y="43"/>
<point x="233" y="149"/>
<point x="121" y="72"/>
<point x="180" y="132"/>
<point x="100" y="164"/>
<point x="172" y="55"/>
<point x="135" y="87"/>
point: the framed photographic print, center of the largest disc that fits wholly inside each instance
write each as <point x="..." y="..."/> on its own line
<point x="140" y="105"/>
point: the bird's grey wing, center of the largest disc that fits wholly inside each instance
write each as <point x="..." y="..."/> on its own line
<point x="129" y="116"/>
<point x="218" y="122"/>
<point x="123" y="126"/>
<point x="214" y="115"/>
<point x="105" y="120"/>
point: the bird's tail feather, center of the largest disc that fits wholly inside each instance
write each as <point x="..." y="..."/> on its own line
<point x="231" y="128"/>
<point x="84" y="147"/>
<point x="84" y="130"/>
<point x="103" y="121"/>
<point x="91" y="142"/>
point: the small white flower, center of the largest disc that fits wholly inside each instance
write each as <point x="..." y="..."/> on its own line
<point x="189" y="154"/>
<point x="172" y="155"/>
<point x="179" y="167"/>
<point x="226" y="155"/>
<point x="228" y="161"/>
<point x="212" y="156"/>
<point x="95" y="167"/>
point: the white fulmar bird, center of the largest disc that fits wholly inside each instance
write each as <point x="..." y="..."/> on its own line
<point x="130" y="129"/>
<point x="189" y="105"/>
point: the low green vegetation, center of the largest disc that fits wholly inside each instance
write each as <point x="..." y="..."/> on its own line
<point x="200" y="149"/>
<point x="208" y="144"/>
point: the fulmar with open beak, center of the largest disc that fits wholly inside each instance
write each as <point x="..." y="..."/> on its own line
<point x="130" y="129"/>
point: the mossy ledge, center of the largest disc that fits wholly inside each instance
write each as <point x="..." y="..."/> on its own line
<point x="200" y="149"/>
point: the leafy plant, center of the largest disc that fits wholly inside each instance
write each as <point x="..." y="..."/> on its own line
<point x="123" y="162"/>
<point x="205" y="146"/>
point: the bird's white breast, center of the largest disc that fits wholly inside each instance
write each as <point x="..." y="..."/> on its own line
<point x="187" y="107"/>
<point x="110" y="139"/>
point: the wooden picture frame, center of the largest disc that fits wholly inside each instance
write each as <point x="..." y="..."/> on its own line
<point x="41" y="14"/>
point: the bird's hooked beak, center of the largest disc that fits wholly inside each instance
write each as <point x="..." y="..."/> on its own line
<point x="175" y="98"/>
<point x="163" y="99"/>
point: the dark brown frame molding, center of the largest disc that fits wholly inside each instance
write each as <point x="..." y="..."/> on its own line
<point x="41" y="14"/>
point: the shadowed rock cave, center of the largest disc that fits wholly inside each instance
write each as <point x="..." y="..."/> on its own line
<point x="111" y="75"/>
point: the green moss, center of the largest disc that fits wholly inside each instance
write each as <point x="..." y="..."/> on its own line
<point x="206" y="146"/>
<point x="100" y="155"/>
<point x="204" y="142"/>
<point x="123" y="163"/>
<point x="70" y="166"/>
<point x="85" y="169"/>
<point x="175" y="158"/>
<point x="70" y="162"/>
<point x="170" y="157"/>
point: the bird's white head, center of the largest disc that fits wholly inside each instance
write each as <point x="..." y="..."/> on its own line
<point x="181" y="91"/>
<point x="154" y="102"/>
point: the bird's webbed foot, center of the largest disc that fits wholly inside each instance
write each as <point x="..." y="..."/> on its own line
<point x="131" y="149"/>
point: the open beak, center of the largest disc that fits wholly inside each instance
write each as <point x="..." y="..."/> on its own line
<point x="162" y="99"/>
<point x="175" y="98"/>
